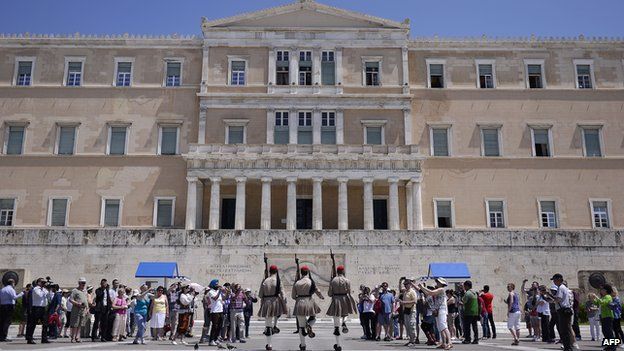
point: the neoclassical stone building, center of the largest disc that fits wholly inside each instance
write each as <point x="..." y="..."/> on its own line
<point x="306" y="116"/>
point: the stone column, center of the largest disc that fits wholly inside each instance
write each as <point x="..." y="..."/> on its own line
<point x="293" y="124"/>
<point x="293" y="67"/>
<point x="291" y="203"/>
<point x="316" y="126"/>
<point x="317" y="203"/>
<point x="393" y="203"/>
<point x="339" y="126"/>
<point x="343" y="204"/>
<point x="409" y="204"/>
<point x="417" y="204"/>
<point x="215" y="203"/>
<point x="404" y="58"/>
<point x="239" y="219"/>
<point x="272" y="66"/>
<point x="191" y="202"/>
<point x="338" y="66"/>
<point x="369" y="223"/>
<point x="201" y="128"/>
<point x="265" y="210"/>
<point x="205" y="65"/>
<point x="407" y="125"/>
<point x="316" y="67"/>
<point x="270" y="126"/>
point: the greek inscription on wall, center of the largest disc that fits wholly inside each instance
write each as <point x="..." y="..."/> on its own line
<point x="225" y="269"/>
<point x="378" y="269"/>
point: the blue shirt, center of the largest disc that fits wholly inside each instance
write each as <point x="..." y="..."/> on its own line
<point x="8" y="296"/>
<point x="388" y="300"/>
<point x="515" y="304"/>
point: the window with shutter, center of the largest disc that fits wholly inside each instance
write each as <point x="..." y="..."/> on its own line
<point x="117" y="144"/>
<point x="24" y="73"/>
<point x="542" y="144"/>
<point x="168" y="140"/>
<point x="67" y="138"/>
<point x="436" y="75"/>
<point x="305" y="68"/>
<point x="328" y="68"/>
<point x="374" y="135"/>
<point x="15" y="144"/>
<point x="74" y="74"/>
<point x="59" y="213"/>
<point x="444" y="213"/>
<point x="440" y="142"/>
<point x="591" y="137"/>
<point x="174" y="74"/>
<point x="496" y="214"/>
<point x="328" y="128"/>
<point x="490" y="142"/>
<point x="236" y="134"/>
<point x="111" y="212"/>
<point x="282" y="66"/>
<point x="7" y="211"/>
<point x="548" y="214"/>
<point x="164" y="213"/>
<point x="281" y="132"/>
<point x="304" y="130"/>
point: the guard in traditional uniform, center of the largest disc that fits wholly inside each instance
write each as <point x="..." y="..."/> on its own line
<point x="272" y="304"/>
<point x="305" y="306"/>
<point x="342" y="304"/>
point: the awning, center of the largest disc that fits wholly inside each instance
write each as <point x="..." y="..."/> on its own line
<point x="157" y="270"/>
<point x="449" y="270"/>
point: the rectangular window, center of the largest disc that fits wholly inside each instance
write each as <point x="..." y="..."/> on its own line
<point x="374" y="135"/>
<point x="584" y="76"/>
<point x="305" y="68"/>
<point x="491" y="145"/>
<point x="74" y="74"/>
<point x="164" y="213"/>
<point x="169" y="140"/>
<point x="304" y="130"/>
<point x="236" y="134"/>
<point x="174" y="74"/>
<point x="496" y="214"/>
<point x="436" y="75"/>
<point x="237" y="72"/>
<point x="124" y="74"/>
<point x="534" y="75"/>
<point x="328" y="68"/>
<point x="117" y="140"/>
<point x="58" y="212"/>
<point x="541" y="142"/>
<point x="600" y="214"/>
<point x="24" y="73"/>
<point x="7" y="212"/>
<point x="591" y="139"/>
<point x="281" y="132"/>
<point x="66" y="140"/>
<point x="15" y="142"/>
<point x="440" y="141"/>
<point x="444" y="213"/>
<point x="282" y="66"/>
<point x="372" y="73"/>
<point x="548" y="213"/>
<point x="112" y="208"/>
<point x="486" y="76"/>
<point x="328" y="127"/>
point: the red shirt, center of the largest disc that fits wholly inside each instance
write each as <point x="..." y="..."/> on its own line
<point x="487" y="301"/>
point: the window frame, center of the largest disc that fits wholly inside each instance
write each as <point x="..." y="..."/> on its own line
<point x="13" y="216"/>
<point x="449" y="140"/>
<point x="110" y="127"/>
<point x="232" y="58"/>
<point x="379" y="61"/>
<point x="103" y="210"/>
<point x="160" y="134"/>
<point x="499" y="128"/>
<point x="433" y="61"/>
<point x="487" y="212"/>
<point x="557" y="212"/>
<point x="592" y="75"/>
<point x="18" y="59"/>
<point x="277" y="71"/>
<point x="69" y="59"/>
<point x="117" y="60"/>
<point x="235" y="123"/>
<point x="67" y="209"/>
<point x="281" y="118"/>
<point x="7" y="133"/>
<point x="491" y="62"/>
<point x="333" y="61"/>
<point x="310" y="72"/>
<point x="547" y="127"/>
<point x="435" y="211"/>
<point x="598" y="127"/>
<point x="540" y="62"/>
<point x="328" y="128"/>
<point x="609" y="213"/>
<point x="57" y="144"/>
<point x="374" y="123"/>
<point x="155" y="212"/>
<point x="166" y="61"/>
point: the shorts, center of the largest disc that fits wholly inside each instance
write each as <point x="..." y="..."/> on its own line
<point x="513" y="320"/>
<point x="384" y="319"/>
<point x="441" y="321"/>
<point x="77" y="319"/>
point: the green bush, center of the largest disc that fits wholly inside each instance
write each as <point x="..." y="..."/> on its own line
<point x="583" y="315"/>
<point x="18" y="314"/>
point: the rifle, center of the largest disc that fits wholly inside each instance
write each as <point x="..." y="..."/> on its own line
<point x="266" y="267"/>
<point x="298" y="274"/>
<point x="333" y="271"/>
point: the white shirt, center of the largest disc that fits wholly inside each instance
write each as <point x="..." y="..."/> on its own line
<point x="217" y="301"/>
<point x="543" y="306"/>
<point x="368" y="306"/>
<point x="40" y="297"/>
<point x="564" y="296"/>
<point x="70" y="305"/>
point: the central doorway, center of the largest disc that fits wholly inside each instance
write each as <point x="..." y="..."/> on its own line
<point x="380" y="213"/>
<point x="304" y="213"/>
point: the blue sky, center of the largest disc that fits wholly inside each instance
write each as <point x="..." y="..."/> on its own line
<point x="441" y="17"/>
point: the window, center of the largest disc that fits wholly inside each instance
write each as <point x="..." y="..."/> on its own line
<point x="496" y="213"/>
<point x="66" y="140"/>
<point x="24" y="72"/>
<point x="374" y="135"/>
<point x="164" y="208"/>
<point x="57" y="212"/>
<point x="111" y="209"/>
<point x="7" y="212"/>
<point x="440" y="141"/>
<point x="282" y="68"/>
<point x="304" y="131"/>
<point x="236" y="135"/>
<point x="15" y="140"/>
<point x="443" y="213"/>
<point x="117" y="139"/>
<point x="436" y="75"/>
<point x="305" y="68"/>
<point x="123" y="74"/>
<point x="541" y="142"/>
<point x="535" y="78"/>
<point x="328" y="68"/>
<point x="371" y="70"/>
<point x="281" y="132"/>
<point x="237" y="72"/>
<point x="591" y="141"/>
<point x="548" y="214"/>
<point x="168" y="144"/>
<point x="328" y="127"/>
<point x="584" y="75"/>
<point x="174" y="74"/>
<point x="74" y="74"/>
<point x="600" y="213"/>
<point x="486" y="75"/>
<point x="490" y="143"/>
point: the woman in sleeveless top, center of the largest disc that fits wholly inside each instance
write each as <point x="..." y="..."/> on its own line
<point x="440" y="311"/>
<point x="452" y="311"/>
<point x="159" y="312"/>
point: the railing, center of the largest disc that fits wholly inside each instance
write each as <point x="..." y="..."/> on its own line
<point x="271" y="149"/>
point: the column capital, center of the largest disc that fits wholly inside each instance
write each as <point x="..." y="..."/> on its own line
<point x="240" y="179"/>
<point x="393" y="180"/>
<point x="317" y="179"/>
<point x="271" y="109"/>
<point x="415" y="180"/>
<point x="266" y="179"/>
<point x="203" y="109"/>
<point x="192" y="179"/>
<point x="407" y="110"/>
<point x="339" y="110"/>
<point x="368" y="179"/>
<point x="292" y="110"/>
<point x="342" y="179"/>
<point x="215" y="179"/>
<point x="316" y="109"/>
<point x="291" y="179"/>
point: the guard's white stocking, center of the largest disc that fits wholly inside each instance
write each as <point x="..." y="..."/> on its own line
<point x="302" y="324"/>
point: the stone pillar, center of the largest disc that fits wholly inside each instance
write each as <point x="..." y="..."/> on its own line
<point x="393" y="203"/>
<point x="316" y="126"/>
<point x="293" y="124"/>
<point x="270" y="126"/>
<point x="201" y="128"/>
<point x="293" y="66"/>
<point x="215" y="203"/>
<point x="205" y="65"/>
<point x="239" y="219"/>
<point x="338" y="66"/>
<point x="417" y="204"/>
<point x="343" y="204"/>
<point x="339" y="126"/>
<point x="191" y="202"/>
<point x="265" y="210"/>
<point x="407" y="125"/>
<point x="291" y="203"/>
<point x="317" y="203"/>
<point x="404" y="58"/>
<point x="369" y="223"/>
<point x="409" y="204"/>
<point x="272" y="66"/>
<point x="316" y="67"/>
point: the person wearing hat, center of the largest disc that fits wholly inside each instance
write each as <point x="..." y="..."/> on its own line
<point x="272" y="304"/>
<point x="80" y="309"/>
<point x="565" y="313"/>
<point x="305" y="309"/>
<point x="410" y="314"/>
<point x="342" y="303"/>
<point x="440" y="310"/>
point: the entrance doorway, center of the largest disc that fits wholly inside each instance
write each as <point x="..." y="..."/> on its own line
<point x="228" y="213"/>
<point x="380" y="213"/>
<point x="304" y="213"/>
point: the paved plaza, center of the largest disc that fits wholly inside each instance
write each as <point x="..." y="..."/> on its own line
<point x="286" y="340"/>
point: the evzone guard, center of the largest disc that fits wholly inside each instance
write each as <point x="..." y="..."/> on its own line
<point x="305" y="309"/>
<point x="342" y="303"/>
<point x="273" y="303"/>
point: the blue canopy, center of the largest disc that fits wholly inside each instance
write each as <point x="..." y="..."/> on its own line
<point x="449" y="270"/>
<point x="157" y="270"/>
